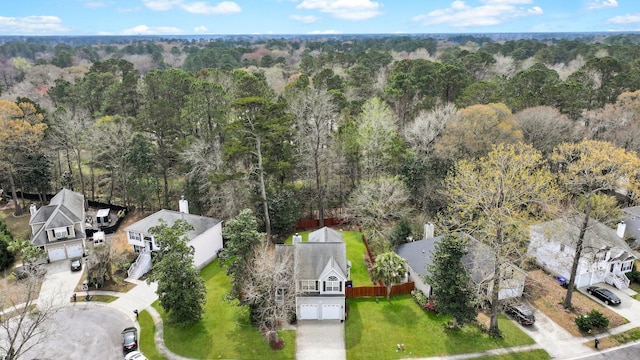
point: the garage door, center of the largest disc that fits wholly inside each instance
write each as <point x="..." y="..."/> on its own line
<point x="331" y="312"/>
<point x="56" y="254"/>
<point x="74" y="251"/>
<point x="308" y="312"/>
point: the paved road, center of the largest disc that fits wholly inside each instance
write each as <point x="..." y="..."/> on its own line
<point x="83" y="331"/>
<point x="626" y="352"/>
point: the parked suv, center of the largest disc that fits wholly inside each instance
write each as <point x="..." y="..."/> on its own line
<point x="522" y="313"/>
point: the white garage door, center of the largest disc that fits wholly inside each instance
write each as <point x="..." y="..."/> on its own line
<point x="56" y="254"/>
<point x="308" y="312"/>
<point x="74" y="250"/>
<point x="331" y="312"/>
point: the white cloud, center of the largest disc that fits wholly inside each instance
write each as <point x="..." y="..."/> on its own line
<point x="491" y="12"/>
<point x="344" y="9"/>
<point x="32" y="25"/>
<point x="201" y="30"/>
<point x="600" y="4"/>
<point x="625" y="19"/>
<point x="198" y="7"/>
<point x="304" y="19"/>
<point x="201" y="7"/>
<point x="321" y="32"/>
<point x="95" y="3"/>
<point x="157" y="30"/>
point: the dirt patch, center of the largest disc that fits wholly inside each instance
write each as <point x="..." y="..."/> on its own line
<point x="120" y="242"/>
<point x="546" y="294"/>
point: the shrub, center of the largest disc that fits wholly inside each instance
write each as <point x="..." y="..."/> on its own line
<point x="592" y="320"/>
<point x="419" y="297"/>
<point x="634" y="276"/>
<point x="430" y="306"/>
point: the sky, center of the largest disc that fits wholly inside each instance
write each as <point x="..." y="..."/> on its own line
<point x="205" y="17"/>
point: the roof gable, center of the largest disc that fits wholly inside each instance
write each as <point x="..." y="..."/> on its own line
<point x="312" y="259"/>
<point x="325" y="234"/>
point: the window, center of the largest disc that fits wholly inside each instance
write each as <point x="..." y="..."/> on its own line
<point x="61" y="233"/>
<point x="332" y="284"/>
<point x="627" y="266"/>
<point x="280" y="295"/>
<point x="561" y="247"/>
<point x="134" y="236"/>
<point x="309" y="285"/>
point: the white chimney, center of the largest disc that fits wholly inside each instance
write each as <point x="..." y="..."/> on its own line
<point x="33" y="210"/>
<point x="183" y="205"/>
<point x="621" y="229"/>
<point x="428" y="231"/>
<point x="297" y="238"/>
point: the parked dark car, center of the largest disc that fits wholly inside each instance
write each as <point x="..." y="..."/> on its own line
<point x="129" y="340"/>
<point x="606" y="296"/>
<point x="76" y="264"/>
<point x="521" y="313"/>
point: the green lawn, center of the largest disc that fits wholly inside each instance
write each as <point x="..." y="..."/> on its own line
<point x="19" y="226"/>
<point x="355" y="251"/>
<point x="147" y="333"/>
<point x="225" y="331"/>
<point x="374" y="328"/>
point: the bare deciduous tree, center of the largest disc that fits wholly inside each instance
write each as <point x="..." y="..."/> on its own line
<point x="24" y="318"/>
<point x="545" y="127"/>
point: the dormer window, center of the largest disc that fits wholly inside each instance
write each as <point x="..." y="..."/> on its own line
<point x="332" y="284"/>
<point x="61" y="233"/>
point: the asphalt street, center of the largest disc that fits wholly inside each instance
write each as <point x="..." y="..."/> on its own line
<point x="83" y="331"/>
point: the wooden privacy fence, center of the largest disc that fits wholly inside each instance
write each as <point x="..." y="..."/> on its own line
<point x="377" y="290"/>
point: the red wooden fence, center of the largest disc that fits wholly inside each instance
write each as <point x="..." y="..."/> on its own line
<point x="377" y="290"/>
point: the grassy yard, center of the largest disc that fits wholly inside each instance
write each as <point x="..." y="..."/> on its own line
<point x="546" y="295"/>
<point x="374" y="328"/>
<point x="225" y="331"/>
<point x="355" y="252"/>
<point x="19" y="226"/>
<point x="147" y="333"/>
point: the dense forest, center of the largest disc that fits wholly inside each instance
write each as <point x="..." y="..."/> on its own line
<point x="298" y="127"/>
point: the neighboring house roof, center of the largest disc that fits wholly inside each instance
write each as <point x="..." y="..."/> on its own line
<point x="200" y="223"/>
<point x="325" y="235"/>
<point x="632" y="222"/>
<point x="478" y="260"/>
<point x="598" y="236"/>
<point x="417" y="254"/>
<point x="66" y="208"/>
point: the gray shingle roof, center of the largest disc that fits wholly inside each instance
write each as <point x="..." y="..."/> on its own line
<point x="200" y="223"/>
<point x="478" y="260"/>
<point x="325" y="235"/>
<point x="311" y="259"/>
<point x="66" y="208"/>
<point x="598" y="236"/>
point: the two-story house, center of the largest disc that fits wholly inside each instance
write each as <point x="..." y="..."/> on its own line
<point x="205" y="237"/>
<point x="321" y="271"/>
<point x="59" y="228"/>
<point x="605" y="256"/>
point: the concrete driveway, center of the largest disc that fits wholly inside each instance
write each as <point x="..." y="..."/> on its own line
<point x="320" y="340"/>
<point x="629" y="307"/>
<point x="59" y="283"/>
<point x="83" y="331"/>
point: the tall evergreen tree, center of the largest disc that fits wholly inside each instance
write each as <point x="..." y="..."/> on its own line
<point x="450" y="281"/>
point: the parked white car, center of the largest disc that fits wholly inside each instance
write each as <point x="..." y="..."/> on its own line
<point x="135" y="355"/>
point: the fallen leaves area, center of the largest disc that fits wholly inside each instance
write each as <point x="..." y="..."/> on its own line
<point x="545" y="294"/>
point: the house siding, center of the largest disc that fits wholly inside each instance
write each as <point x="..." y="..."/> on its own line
<point x="208" y="244"/>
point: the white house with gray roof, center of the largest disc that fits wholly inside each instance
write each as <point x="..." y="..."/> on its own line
<point x="59" y="228"/>
<point x="205" y="238"/>
<point x="478" y="261"/>
<point x="605" y="256"/>
<point x="321" y="271"/>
